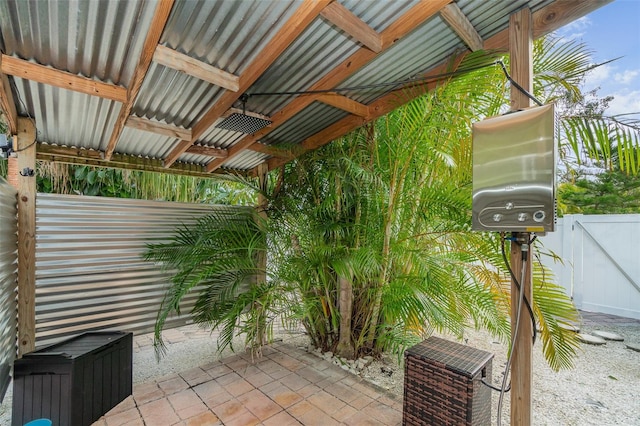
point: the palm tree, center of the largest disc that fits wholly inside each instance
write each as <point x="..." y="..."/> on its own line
<point x="368" y="239"/>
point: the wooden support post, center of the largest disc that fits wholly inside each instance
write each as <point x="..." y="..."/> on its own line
<point x="25" y="183"/>
<point x="521" y="52"/>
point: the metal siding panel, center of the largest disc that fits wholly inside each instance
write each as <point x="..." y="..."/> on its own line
<point x="8" y="282"/>
<point x="89" y="271"/>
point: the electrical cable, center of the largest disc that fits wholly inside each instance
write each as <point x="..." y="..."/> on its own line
<point x="517" y="86"/>
<point x="514" y="334"/>
<point x="407" y="83"/>
<point x="35" y="139"/>
<point x="517" y="283"/>
<point x="495" y="388"/>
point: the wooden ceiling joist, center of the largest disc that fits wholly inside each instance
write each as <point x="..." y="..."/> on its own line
<point x="459" y="22"/>
<point x="7" y="104"/>
<point x="195" y="68"/>
<point x="548" y="19"/>
<point x="208" y="151"/>
<point x="342" y="18"/>
<point x="53" y="77"/>
<point x="346" y="104"/>
<point x="163" y="10"/>
<point x="61" y="154"/>
<point x="288" y="154"/>
<point x="545" y="20"/>
<point x="398" y="29"/>
<point x="158" y="128"/>
<point x="297" y="23"/>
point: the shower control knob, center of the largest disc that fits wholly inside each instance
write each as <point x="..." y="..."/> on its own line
<point x="522" y="217"/>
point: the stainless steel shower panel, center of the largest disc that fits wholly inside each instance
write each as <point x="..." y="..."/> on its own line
<point x="514" y="171"/>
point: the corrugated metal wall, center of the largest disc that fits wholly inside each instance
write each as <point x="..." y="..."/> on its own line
<point x="89" y="270"/>
<point x="8" y="282"/>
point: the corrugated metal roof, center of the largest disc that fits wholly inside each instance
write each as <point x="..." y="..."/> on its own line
<point x="396" y="65"/>
<point x="270" y="46"/>
<point x="68" y="118"/>
<point x="307" y="122"/>
<point x="246" y="160"/>
<point x="173" y="97"/>
<point x="97" y="39"/>
<point x="319" y="48"/>
<point x="147" y="144"/>
<point x="227" y="34"/>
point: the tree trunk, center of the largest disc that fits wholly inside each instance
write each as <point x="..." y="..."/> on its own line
<point x="345" y="346"/>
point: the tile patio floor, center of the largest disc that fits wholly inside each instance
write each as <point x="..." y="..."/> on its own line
<point x="286" y="386"/>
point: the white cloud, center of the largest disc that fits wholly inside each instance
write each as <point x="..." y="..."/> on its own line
<point x="575" y="29"/>
<point x="596" y="76"/>
<point x="625" y="103"/>
<point x="626" y="77"/>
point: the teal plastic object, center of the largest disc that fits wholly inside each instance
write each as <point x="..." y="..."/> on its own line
<point x="39" y="422"/>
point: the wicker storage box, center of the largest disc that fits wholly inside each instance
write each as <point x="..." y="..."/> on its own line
<point x="74" y="382"/>
<point x="442" y="384"/>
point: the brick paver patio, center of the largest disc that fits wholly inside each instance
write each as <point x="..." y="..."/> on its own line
<point x="286" y="386"/>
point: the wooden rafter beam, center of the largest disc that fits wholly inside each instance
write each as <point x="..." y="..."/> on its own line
<point x="65" y="80"/>
<point x="459" y="22"/>
<point x="296" y="24"/>
<point x="377" y="109"/>
<point x="344" y="103"/>
<point x="163" y="10"/>
<point x="273" y="151"/>
<point x="342" y="18"/>
<point x="158" y="128"/>
<point x="398" y="29"/>
<point x="545" y="20"/>
<point x="207" y="150"/>
<point x="69" y="155"/>
<point x="7" y="104"/>
<point x="184" y="63"/>
<point x="549" y="19"/>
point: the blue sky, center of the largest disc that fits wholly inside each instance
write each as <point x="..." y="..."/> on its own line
<point x="610" y="32"/>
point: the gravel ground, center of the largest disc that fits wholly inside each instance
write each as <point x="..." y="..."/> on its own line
<point x="602" y="389"/>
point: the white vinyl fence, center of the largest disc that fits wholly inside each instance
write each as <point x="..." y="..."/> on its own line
<point x="601" y="269"/>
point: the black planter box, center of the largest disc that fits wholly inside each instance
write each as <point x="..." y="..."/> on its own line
<point x="73" y="382"/>
<point x="442" y="384"/>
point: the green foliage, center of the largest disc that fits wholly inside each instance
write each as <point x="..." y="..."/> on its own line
<point x="608" y="192"/>
<point x="85" y="180"/>
<point x="218" y="258"/>
<point x="385" y="213"/>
